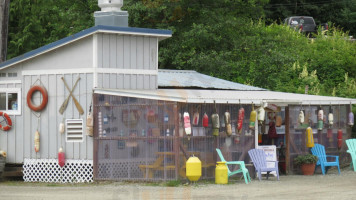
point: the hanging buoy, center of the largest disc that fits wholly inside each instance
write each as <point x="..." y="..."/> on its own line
<point x="90" y="123"/>
<point x="187" y="126"/>
<point x="216" y="124"/>
<point x="320" y="119"/>
<point x="196" y="119"/>
<point x="44" y="98"/>
<point x="261" y="115"/>
<point x="37" y="141"/>
<point x="7" y="120"/>
<point x="331" y="117"/>
<point x="301" y="117"/>
<point x="252" y="119"/>
<point x="61" y="157"/>
<point x="3" y="153"/>
<point x="279" y="121"/>
<point x="339" y="138"/>
<point x="227" y="119"/>
<point x="205" y="120"/>
<point x="310" y="137"/>
<point x="61" y="128"/>
<point x="351" y="119"/>
<point x="240" y="120"/>
<point x="329" y="134"/>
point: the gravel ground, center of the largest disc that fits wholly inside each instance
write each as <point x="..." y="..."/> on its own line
<point x="330" y="186"/>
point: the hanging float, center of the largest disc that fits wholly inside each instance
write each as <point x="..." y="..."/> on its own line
<point x="252" y="118"/>
<point x="205" y="120"/>
<point x="331" y="117"/>
<point x="30" y="93"/>
<point x="227" y="119"/>
<point x="37" y="141"/>
<point x="61" y="157"/>
<point x="240" y="120"/>
<point x="187" y="126"/>
<point x="310" y="137"/>
<point x="320" y="118"/>
<point x="7" y="120"/>
<point x="351" y="117"/>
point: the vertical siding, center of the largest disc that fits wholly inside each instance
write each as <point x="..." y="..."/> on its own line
<point x="127" y="52"/>
<point x="19" y="141"/>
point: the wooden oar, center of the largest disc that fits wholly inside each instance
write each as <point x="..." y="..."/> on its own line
<point x="65" y="103"/>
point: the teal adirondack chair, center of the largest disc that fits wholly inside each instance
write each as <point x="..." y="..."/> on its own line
<point x="242" y="169"/>
<point x="351" y="144"/>
<point x="319" y="151"/>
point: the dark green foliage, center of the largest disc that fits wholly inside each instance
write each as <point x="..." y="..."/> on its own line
<point x="305" y="159"/>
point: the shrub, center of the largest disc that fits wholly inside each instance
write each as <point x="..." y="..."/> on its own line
<point x="305" y="159"/>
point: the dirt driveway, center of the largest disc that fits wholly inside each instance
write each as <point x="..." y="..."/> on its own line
<point x="330" y="186"/>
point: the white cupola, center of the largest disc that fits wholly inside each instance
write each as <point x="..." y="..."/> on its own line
<point x="111" y="14"/>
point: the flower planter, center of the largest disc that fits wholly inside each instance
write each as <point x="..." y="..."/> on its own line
<point x="308" y="169"/>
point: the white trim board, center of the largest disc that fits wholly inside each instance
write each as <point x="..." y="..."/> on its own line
<point x="89" y="70"/>
<point x="11" y="82"/>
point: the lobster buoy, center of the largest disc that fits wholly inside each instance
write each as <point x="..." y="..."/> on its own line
<point x="279" y="121"/>
<point x="3" y="153"/>
<point x="339" y="138"/>
<point x="187" y="126"/>
<point x="61" y="128"/>
<point x="90" y="123"/>
<point x="227" y="119"/>
<point x="216" y="124"/>
<point x="196" y="119"/>
<point x="252" y="119"/>
<point x="320" y="114"/>
<point x="331" y="119"/>
<point x="44" y="96"/>
<point x="205" y="120"/>
<point x="301" y="117"/>
<point x="351" y="119"/>
<point x="8" y="122"/>
<point x="240" y="120"/>
<point x="310" y="137"/>
<point x="61" y="157"/>
<point x="37" y="141"/>
<point x="261" y="114"/>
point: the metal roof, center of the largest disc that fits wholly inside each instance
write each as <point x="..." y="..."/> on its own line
<point x="161" y="34"/>
<point x="193" y="79"/>
<point x="229" y="96"/>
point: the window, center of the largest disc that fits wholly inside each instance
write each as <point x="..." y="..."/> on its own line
<point x="10" y="100"/>
<point x="74" y="130"/>
<point x="14" y="74"/>
<point x="2" y="74"/>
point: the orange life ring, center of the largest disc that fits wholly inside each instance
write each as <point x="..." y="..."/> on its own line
<point x="8" y="122"/>
<point x="44" y="95"/>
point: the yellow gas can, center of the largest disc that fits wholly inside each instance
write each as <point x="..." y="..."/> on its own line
<point x="193" y="168"/>
<point x="221" y="176"/>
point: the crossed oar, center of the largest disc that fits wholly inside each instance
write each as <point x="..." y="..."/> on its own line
<point x="65" y="103"/>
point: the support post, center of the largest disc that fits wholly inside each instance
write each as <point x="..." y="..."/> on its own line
<point x="287" y="122"/>
<point x="4" y="20"/>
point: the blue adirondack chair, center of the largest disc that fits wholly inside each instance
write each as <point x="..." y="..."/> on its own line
<point x="319" y="151"/>
<point x="242" y="168"/>
<point x="258" y="158"/>
<point x="351" y="144"/>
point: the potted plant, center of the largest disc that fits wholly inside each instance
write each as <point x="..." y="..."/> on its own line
<point x="307" y="163"/>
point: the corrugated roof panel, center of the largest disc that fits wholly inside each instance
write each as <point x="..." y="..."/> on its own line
<point x="193" y="79"/>
<point x="230" y="96"/>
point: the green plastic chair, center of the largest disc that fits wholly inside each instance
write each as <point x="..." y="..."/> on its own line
<point x="242" y="168"/>
<point x="351" y="144"/>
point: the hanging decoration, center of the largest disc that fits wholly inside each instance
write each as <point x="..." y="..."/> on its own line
<point x="215" y="121"/>
<point x="320" y="118"/>
<point x="331" y="117"/>
<point x="261" y="115"/>
<point x="61" y="157"/>
<point x="37" y="141"/>
<point x="61" y="128"/>
<point x="205" y="120"/>
<point x="339" y="132"/>
<point x="301" y="116"/>
<point x="65" y="103"/>
<point x="227" y="119"/>
<point x="187" y="126"/>
<point x="252" y="118"/>
<point x="279" y="121"/>
<point x="3" y="153"/>
<point x="8" y="121"/>
<point x="90" y="122"/>
<point x="196" y="118"/>
<point x="30" y="93"/>
<point x="310" y="137"/>
<point x="240" y="120"/>
<point x="351" y="117"/>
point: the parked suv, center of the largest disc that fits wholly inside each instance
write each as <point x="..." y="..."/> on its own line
<point x="303" y="23"/>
